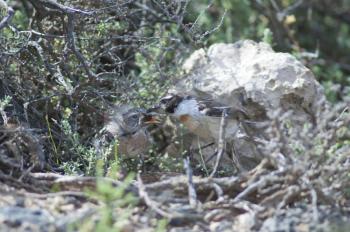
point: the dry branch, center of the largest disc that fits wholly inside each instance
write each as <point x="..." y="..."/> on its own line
<point x="221" y="144"/>
<point x="10" y="13"/>
<point x="192" y="195"/>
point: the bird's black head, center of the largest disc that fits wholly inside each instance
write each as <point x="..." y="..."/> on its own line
<point x="170" y="102"/>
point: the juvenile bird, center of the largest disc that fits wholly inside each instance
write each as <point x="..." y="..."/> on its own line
<point x="126" y="125"/>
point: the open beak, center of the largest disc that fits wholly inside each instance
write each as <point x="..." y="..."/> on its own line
<point x="151" y="118"/>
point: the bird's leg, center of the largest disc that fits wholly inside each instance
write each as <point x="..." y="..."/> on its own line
<point x="252" y="139"/>
<point x="204" y="146"/>
<point x="202" y="164"/>
<point x="234" y="158"/>
<point x="188" y="154"/>
<point x="212" y="156"/>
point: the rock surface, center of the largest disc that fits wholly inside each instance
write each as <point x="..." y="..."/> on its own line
<point x="252" y="74"/>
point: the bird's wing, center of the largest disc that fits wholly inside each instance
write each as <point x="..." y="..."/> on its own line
<point x="215" y="109"/>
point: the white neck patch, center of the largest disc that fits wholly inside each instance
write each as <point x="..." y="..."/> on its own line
<point x="189" y="107"/>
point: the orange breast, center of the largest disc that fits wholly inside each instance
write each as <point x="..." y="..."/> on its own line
<point x="184" y="118"/>
<point x="190" y="122"/>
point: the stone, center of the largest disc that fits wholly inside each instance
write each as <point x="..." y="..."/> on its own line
<point x="244" y="222"/>
<point x="252" y="74"/>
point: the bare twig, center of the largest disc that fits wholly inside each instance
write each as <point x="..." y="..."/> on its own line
<point x="71" y="44"/>
<point x="149" y="202"/>
<point x="315" y="213"/>
<point x="40" y="51"/>
<point x="56" y="194"/>
<point x="26" y="172"/>
<point x="292" y="192"/>
<point x="192" y="195"/>
<point x="219" y="192"/>
<point x="4" y="116"/>
<point x="215" y="28"/>
<point x="341" y="114"/>
<point x="227" y="184"/>
<point x="255" y="186"/>
<point x="10" y="13"/>
<point x="54" y="5"/>
<point x="70" y="183"/>
<point x="221" y="142"/>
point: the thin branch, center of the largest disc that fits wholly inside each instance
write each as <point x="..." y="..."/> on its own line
<point x="72" y="46"/>
<point x="149" y="202"/>
<point x="192" y="195"/>
<point x="10" y="13"/>
<point x="219" y="192"/>
<point x="315" y="213"/>
<point x="255" y="186"/>
<point x="54" y="5"/>
<point x="215" y="28"/>
<point x="341" y="114"/>
<point x="221" y="142"/>
<point x="40" y="51"/>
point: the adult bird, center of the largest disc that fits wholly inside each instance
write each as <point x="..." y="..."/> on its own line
<point x="203" y="117"/>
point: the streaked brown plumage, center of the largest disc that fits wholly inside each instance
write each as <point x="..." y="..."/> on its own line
<point x="126" y="126"/>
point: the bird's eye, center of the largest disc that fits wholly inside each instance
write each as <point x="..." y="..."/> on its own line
<point x="135" y="116"/>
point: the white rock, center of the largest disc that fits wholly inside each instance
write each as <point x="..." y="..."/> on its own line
<point x="244" y="222"/>
<point x="267" y="80"/>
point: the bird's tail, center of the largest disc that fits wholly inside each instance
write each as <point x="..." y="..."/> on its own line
<point x="256" y="124"/>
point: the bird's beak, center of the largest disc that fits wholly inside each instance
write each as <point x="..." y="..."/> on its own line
<point x="151" y="118"/>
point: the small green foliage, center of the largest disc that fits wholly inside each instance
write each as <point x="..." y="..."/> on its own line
<point x="150" y="85"/>
<point x="268" y="36"/>
<point x="116" y="207"/>
<point x="330" y="92"/>
<point x="72" y="167"/>
<point x="332" y="78"/>
<point x="5" y="102"/>
<point x="20" y="19"/>
<point x="162" y="225"/>
<point x="85" y="156"/>
<point x="167" y="163"/>
<point x="337" y="146"/>
<point x="298" y="148"/>
<point x="240" y="21"/>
